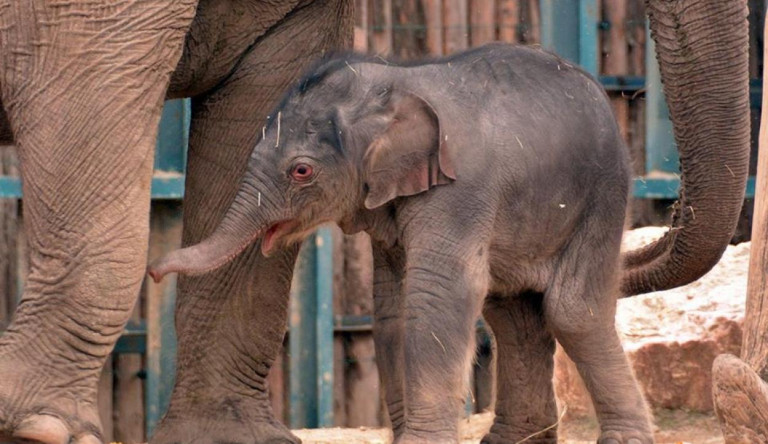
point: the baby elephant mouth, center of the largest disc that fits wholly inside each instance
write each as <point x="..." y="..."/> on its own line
<point x="275" y="234"/>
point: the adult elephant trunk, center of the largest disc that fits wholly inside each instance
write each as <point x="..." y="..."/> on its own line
<point x="701" y="46"/>
<point x="239" y="228"/>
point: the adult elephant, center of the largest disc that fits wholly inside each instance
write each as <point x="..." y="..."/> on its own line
<point x="83" y="85"/>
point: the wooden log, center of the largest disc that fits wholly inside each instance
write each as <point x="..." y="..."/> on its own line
<point x="381" y="21"/>
<point x="483" y="21"/>
<point x="455" y="19"/>
<point x="740" y="390"/>
<point x="755" y="343"/>
<point x="509" y="20"/>
<point x="433" y="21"/>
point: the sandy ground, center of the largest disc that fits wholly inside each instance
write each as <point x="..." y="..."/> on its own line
<point x="672" y="427"/>
<point x="685" y="313"/>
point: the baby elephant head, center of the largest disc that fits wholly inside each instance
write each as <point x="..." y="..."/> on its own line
<point x="348" y="139"/>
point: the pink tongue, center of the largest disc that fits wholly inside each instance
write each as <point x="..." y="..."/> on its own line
<point x="269" y="239"/>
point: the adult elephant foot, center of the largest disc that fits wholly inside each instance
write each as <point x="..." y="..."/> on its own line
<point x="239" y="419"/>
<point x="498" y="436"/>
<point x="624" y="437"/>
<point x="741" y="401"/>
<point x="40" y="404"/>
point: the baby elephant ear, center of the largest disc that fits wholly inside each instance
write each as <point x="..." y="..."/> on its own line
<point x="410" y="157"/>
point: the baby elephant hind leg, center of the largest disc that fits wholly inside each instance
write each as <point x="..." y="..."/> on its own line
<point x="525" y="401"/>
<point x="580" y="309"/>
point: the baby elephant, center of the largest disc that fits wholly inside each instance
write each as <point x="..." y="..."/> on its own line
<point x="492" y="181"/>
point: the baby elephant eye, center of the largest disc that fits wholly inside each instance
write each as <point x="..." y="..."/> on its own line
<point x="301" y="172"/>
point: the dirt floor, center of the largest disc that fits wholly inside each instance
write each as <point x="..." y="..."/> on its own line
<point x="672" y="427"/>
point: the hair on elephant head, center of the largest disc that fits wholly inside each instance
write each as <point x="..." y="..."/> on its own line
<point x="343" y="141"/>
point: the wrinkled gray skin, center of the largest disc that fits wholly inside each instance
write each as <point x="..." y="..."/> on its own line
<point x="498" y="174"/>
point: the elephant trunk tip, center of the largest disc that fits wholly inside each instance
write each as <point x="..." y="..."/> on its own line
<point x="156" y="271"/>
<point x="170" y="263"/>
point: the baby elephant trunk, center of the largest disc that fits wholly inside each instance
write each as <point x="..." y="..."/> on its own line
<point x="239" y="228"/>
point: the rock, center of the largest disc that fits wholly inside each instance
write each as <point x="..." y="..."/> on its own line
<point x="672" y="337"/>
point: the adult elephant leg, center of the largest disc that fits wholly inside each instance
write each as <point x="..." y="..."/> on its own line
<point x="525" y="399"/>
<point x="83" y="86"/>
<point x="231" y="322"/>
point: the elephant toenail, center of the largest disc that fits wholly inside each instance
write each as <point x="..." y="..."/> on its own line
<point x="609" y="441"/>
<point x="43" y="428"/>
<point x="634" y="441"/>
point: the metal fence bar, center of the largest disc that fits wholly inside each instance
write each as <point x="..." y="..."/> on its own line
<point x="660" y="150"/>
<point x="559" y="25"/>
<point x="589" y="48"/>
<point x="310" y="338"/>
<point x="324" y="325"/>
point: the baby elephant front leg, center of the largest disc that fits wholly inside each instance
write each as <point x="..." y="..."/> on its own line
<point x="443" y="297"/>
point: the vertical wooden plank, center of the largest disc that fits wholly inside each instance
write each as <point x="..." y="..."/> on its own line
<point x="483" y="21"/>
<point x="339" y="382"/>
<point x="361" y="374"/>
<point x="509" y="20"/>
<point x="339" y="339"/>
<point x="616" y="60"/>
<point x="129" y="399"/>
<point x="455" y="19"/>
<point x="361" y="26"/>
<point x="381" y="21"/>
<point x="409" y="36"/>
<point x="756" y="24"/>
<point x="363" y="389"/>
<point x="105" y="398"/>
<point x="164" y="237"/>
<point x="636" y="37"/>
<point x="129" y="390"/>
<point x="533" y="22"/>
<point x="433" y="20"/>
